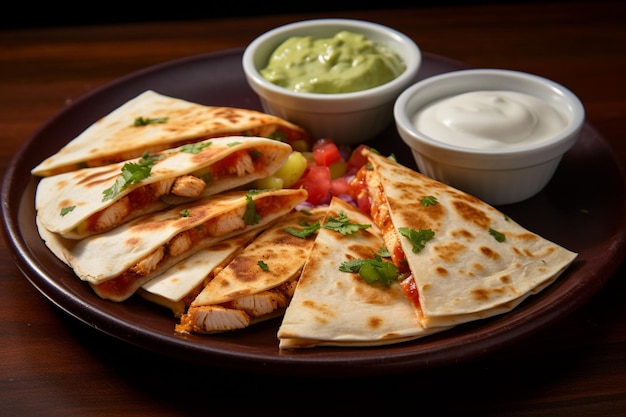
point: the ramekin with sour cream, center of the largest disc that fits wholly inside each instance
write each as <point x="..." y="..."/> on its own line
<point x="496" y="134"/>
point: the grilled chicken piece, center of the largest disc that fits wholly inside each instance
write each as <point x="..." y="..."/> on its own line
<point x="236" y="314"/>
<point x="209" y="319"/>
<point x="188" y="186"/>
<point x="257" y="305"/>
<point x="244" y="165"/>
<point x="160" y="188"/>
<point x="226" y="223"/>
<point x="382" y="217"/>
<point x="149" y="263"/>
<point x="179" y="244"/>
<point x="113" y="214"/>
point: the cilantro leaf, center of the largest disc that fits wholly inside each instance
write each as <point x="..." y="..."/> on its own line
<point x="67" y="209"/>
<point x="372" y="270"/>
<point x="263" y="266"/>
<point x="308" y="230"/>
<point x="417" y="238"/>
<point x="497" y="235"/>
<point x="342" y="224"/>
<point x="144" y="121"/>
<point x="194" y="148"/>
<point x="132" y="172"/>
<point x="429" y="201"/>
<point x="384" y="252"/>
<point x="250" y="216"/>
<point x="114" y="190"/>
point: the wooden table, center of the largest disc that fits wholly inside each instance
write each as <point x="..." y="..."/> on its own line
<point x="52" y="364"/>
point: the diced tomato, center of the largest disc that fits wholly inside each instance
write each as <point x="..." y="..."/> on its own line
<point x="326" y="154"/>
<point x="339" y="186"/>
<point x="316" y="181"/>
<point x="357" y="159"/>
<point x="320" y="142"/>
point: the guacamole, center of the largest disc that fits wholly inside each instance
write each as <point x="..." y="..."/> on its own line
<point x="345" y="63"/>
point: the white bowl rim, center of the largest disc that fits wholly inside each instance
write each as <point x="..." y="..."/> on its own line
<point x="412" y="61"/>
<point x="421" y="140"/>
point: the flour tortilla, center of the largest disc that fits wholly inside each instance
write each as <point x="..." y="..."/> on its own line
<point x="463" y="273"/>
<point x="335" y="308"/>
<point x="118" y="262"/>
<point x="114" y="138"/>
<point x="217" y="164"/>
<point x="258" y="283"/>
<point x="179" y="285"/>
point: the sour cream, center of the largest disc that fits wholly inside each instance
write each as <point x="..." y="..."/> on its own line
<point x="490" y="119"/>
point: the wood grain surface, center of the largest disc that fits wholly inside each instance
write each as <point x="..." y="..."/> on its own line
<point x="54" y="365"/>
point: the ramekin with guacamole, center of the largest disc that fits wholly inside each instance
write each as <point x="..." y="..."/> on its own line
<point x="345" y="63"/>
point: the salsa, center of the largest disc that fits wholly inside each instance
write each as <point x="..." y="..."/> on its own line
<point x="325" y="170"/>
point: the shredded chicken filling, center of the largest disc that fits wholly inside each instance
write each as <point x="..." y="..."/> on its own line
<point x="181" y="243"/>
<point x="382" y="217"/>
<point x="238" y="164"/>
<point x="236" y="314"/>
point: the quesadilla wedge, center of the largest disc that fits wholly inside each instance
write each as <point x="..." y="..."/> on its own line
<point x="88" y="201"/>
<point x="179" y="285"/>
<point x="116" y="263"/>
<point x="333" y="307"/>
<point x="258" y="283"/>
<point x="151" y="122"/>
<point x="468" y="260"/>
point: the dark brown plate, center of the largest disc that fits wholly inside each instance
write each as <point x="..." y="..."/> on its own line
<point x="582" y="209"/>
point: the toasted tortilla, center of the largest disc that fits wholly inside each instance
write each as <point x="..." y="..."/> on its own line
<point x="479" y="262"/>
<point x="116" y="263"/>
<point x="75" y="204"/>
<point x="168" y="122"/>
<point x="179" y="285"/>
<point x="258" y="283"/>
<point x="334" y="308"/>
